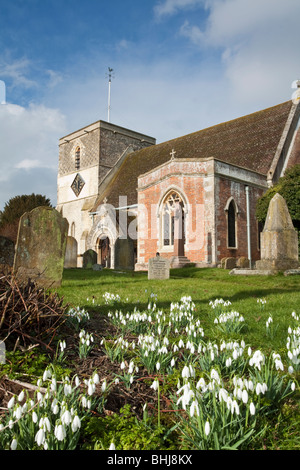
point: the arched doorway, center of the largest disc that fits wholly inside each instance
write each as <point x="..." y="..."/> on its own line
<point x="104" y="252"/>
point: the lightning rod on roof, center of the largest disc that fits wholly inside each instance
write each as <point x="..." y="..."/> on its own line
<point x="110" y="76"/>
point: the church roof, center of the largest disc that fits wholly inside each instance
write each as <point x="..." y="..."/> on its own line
<point x="249" y="142"/>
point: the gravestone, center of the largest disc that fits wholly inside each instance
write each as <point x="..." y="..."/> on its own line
<point x="40" y="248"/>
<point x="229" y="263"/>
<point x="124" y="254"/>
<point x="279" y="239"/>
<point x="242" y="262"/>
<point x="71" y="253"/>
<point x="7" y="251"/>
<point x="159" y="268"/>
<point x="89" y="259"/>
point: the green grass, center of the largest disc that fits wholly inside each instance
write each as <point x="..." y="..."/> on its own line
<point x="86" y="288"/>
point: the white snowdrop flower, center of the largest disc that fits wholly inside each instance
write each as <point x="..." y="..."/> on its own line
<point x="103" y="387"/>
<point x="157" y="366"/>
<point x="17" y="412"/>
<point x="66" y="418"/>
<point x="223" y="395"/>
<point x="60" y="432"/>
<point x="293" y="386"/>
<point x="194" y="408"/>
<point x="34" y="417"/>
<point x="245" y="396"/>
<point x="252" y="409"/>
<point x="228" y="362"/>
<point x="173" y="362"/>
<point x="46" y="375"/>
<point x="155" y="385"/>
<point x="112" y="446"/>
<point x="291" y="369"/>
<point x="14" y="444"/>
<point x="11" y="403"/>
<point x="21" y="396"/>
<point x="185" y="372"/>
<point x="207" y="428"/>
<point x="76" y="423"/>
<point x="96" y="379"/>
<point x="40" y="437"/>
<point x="250" y="385"/>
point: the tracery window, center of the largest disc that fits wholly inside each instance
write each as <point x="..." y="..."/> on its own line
<point x="172" y="207"/>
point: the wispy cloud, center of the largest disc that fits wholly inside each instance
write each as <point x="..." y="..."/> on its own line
<point x="17" y="72"/>
<point x="170" y="7"/>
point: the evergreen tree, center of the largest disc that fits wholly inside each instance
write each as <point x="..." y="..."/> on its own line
<point x="15" y="208"/>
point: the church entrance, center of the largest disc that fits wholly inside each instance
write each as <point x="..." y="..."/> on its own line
<point x="104" y="257"/>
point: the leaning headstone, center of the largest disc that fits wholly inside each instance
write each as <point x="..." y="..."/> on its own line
<point x="230" y="263"/>
<point x="89" y="259"/>
<point x="158" y="268"/>
<point x="40" y="248"/>
<point x="124" y="254"/>
<point x="7" y="251"/>
<point x="71" y="253"/>
<point x="279" y="239"/>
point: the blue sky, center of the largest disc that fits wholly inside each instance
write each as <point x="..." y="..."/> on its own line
<point x="179" y="66"/>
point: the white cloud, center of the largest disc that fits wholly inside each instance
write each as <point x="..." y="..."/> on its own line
<point x="257" y="41"/>
<point x="29" y="145"/>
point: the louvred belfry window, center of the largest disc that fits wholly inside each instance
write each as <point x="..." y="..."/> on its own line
<point x="77" y="158"/>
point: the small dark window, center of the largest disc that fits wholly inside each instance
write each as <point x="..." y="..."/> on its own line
<point x="231" y="228"/>
<point x="77" y="158"/>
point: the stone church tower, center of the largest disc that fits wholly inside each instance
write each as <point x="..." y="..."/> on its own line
<point x="86" y="157"/>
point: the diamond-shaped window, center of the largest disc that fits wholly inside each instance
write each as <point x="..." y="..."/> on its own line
<point x="77" y="184"/>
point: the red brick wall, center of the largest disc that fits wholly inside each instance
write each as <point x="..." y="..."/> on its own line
<point x="224" y="190"/>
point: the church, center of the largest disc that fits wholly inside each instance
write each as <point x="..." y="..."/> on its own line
<point x="191" y="199"/>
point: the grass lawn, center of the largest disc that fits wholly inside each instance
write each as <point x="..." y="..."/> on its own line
<point x="85" y="288"/>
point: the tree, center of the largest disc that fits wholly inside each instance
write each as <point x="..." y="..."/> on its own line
<point x="15" y="208"/>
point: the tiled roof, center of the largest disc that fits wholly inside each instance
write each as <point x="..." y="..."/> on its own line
<point x="249" y="142"/>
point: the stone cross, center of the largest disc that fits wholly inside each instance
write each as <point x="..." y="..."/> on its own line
<point x="173" y="153"/>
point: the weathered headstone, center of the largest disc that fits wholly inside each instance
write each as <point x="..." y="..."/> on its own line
<point x="124" y="254"/>
<point x="40" y="248"/>
<point x="229" y="263"/>
<point x="242" y="262"/>
<point x="7" y="251"/>
<point x="71" y="253"/>
<point x="89" y="259"/>
<point x="279" y="239"/>
<point x="159" y="268"/>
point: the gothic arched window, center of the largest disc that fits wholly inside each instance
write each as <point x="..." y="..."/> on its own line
<point x="231" y="225"/>
<point x="77" y="158"/>
<point x="172" y="207"/>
